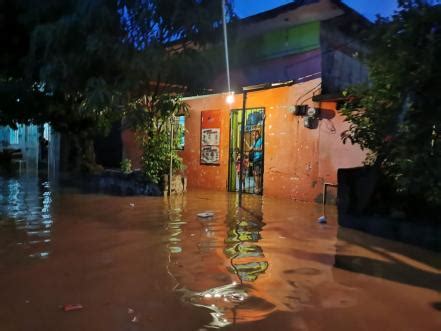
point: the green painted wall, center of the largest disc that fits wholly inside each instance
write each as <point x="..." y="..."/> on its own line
<point x="282" y="42"/>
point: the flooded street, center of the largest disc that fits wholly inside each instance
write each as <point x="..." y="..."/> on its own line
<point x="143" y="263"/>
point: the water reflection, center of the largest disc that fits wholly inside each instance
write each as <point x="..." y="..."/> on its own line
<point x="221" y="301"/>
<point x="382" y="260"/>
<point x="25" y="204"/>
<point x="269" y="266"/>
<point x="246" y="257"/>
<point x="215" y="261"/>
<point x="174" y="226"/>
<point x="242" y="270"/>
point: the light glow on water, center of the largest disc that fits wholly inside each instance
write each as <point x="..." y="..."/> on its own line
<point x="268" y="263"/>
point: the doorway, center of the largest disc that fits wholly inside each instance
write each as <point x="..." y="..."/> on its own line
<point x="252" y="167"/>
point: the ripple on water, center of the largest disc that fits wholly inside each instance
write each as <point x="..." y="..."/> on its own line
<point x="270" y="264"/>
<point x="26" y="203"/>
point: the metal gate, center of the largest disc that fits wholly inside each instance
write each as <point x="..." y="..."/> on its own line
<point x="253" y="158"/>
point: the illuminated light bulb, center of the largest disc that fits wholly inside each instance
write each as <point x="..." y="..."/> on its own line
<point x="230" y="98"/>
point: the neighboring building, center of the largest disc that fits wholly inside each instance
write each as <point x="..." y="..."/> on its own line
<point x="311" y="43"/>
<point x="34" y="147"/>
<point x="300" y="41"/>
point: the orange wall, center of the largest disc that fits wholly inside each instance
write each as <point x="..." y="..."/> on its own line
<point x="205" y="176"/>
<point x="297" y="160"/>
<point x="131" y="149"/>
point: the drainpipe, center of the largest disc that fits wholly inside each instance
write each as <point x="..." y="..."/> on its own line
<point x="325" y="186"/>
<point x="170" y="175"/>
<point x="242" y="142"/>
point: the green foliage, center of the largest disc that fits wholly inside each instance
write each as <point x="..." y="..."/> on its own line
<point x="91" y="58"/>
<point x="64" y="74"/>
<point x="397" y="117"/>
<point x="126" y="166"/>
<point x="80" y="64"/>
<point x="152" y="118"/>
<point x="156" y="156"/>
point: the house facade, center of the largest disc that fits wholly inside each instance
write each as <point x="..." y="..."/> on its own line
<point x="297" y="159"/>
<point x="303" y="55"/>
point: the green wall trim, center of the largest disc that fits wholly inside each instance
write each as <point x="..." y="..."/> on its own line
<point x="286" y="41"/>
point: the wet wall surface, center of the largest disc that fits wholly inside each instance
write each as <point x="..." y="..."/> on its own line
<point x="144" y="263"/>
<point x="297" y="160"/>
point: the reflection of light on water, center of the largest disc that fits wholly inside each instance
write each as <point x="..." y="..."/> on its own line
<point x="42" y="255"/>
<point x="174" y="229"/>
<point x="36" y="242"/>
<point x="210" y="254"/>
<point x="39" y="233"/>
<point x="27" y="202"/>
<point x="248" y="272"/>
<point x="236" y="302"/>
<point x="218" y="300"/>
<point x="13" y="207"/>
<point x="246" y="257"/>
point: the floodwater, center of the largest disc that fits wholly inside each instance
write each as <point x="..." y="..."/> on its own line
<point x="142" y="263"/>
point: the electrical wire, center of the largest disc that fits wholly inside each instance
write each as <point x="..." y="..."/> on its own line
<point x="311" y="90"/>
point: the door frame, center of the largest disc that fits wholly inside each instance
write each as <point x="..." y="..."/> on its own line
<point x="231" y="160"/>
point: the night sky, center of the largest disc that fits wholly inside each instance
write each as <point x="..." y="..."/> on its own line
<point x="368" y="8"/>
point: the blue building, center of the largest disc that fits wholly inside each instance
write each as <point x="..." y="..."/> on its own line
<point x="30" y="147"/>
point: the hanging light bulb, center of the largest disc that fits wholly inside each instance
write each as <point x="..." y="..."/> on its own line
<point x="230" y="98"/>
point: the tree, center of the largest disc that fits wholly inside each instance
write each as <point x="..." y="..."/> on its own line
<point x="171" y="37"/>
<point x="153" y="120"/>
<point x="89" y="61"/>
<point x="397" y="117"/>
<point x="14" y="38"/>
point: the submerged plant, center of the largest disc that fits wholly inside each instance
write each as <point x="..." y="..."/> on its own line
<point x="153" y="119"/>
<point x="126" y="166"/>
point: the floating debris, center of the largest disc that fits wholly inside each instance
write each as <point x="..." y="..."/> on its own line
<point x="72" y="307"/>
<point x="206" y="214"/>
<point x="41" y="255"/>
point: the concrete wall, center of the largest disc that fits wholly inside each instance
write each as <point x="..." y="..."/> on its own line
<point x="342" y="53"/>
<point x="297" y="160"/>
<point x="297" y="67"/>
